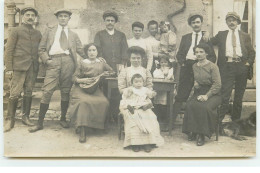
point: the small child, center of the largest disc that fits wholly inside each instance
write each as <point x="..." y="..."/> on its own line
<point x="141" y="126"/>
<point x="137" y="96"/>
<point x="164" y="70"/>
<point x="167" y="40"/>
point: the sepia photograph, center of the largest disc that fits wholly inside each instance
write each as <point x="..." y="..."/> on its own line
<point x="129" y="79"/>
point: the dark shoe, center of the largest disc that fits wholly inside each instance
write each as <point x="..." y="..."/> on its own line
<point x="64" y="124"/>
<point x="136" y="148"/>
<point x="9" y="124"/>
<point x="35" y="128"/>
<point x="27" y="102"/>
<point x="82" y="137"/>
<point x="200" y="140"/>
<point x="10" y="119"/>
<point x="147" y="148"/>
<point x="26" y="121"/>
<point x="191" y="136"/>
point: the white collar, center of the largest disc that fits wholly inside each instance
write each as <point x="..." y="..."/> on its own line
<point x="111" y="32"/>
<point x="60" y="27"/>
<point x="236" y="30"/>
<point x="89" y="62"/>
<point x="199" y="33"/>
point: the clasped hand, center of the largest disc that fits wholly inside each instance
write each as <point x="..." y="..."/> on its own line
<point x="202" y="98"/>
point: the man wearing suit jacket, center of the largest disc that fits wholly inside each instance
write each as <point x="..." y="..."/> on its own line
<point x="235" y="55"/>
<point x="57" y="51"/>
<point x="21" y="57"/>
<point x="186" y="58"/>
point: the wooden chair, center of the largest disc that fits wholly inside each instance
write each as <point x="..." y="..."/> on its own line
<point x="217" y="121"/>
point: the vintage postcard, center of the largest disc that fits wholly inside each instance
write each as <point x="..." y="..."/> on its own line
<point x="129" y="78"/>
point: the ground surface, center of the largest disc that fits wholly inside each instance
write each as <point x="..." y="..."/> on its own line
<point x="54" y="141"/>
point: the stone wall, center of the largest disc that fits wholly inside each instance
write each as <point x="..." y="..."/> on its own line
<point x="87" y="14"/>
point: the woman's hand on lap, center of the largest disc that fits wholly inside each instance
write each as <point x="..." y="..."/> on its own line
<point x="202" y="98"/>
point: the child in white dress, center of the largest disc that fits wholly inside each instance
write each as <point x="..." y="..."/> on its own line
<point x="163" y="71"/>
<point x="141" y="125"/>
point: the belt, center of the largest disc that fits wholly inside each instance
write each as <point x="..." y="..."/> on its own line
<point x="59" y="55"/>
<point x="231" y="59"/>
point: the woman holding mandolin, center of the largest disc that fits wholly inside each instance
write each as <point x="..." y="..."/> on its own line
<point x="89" y="106"/>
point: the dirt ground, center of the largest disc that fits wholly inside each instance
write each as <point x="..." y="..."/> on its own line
<point x="54" y="141"/>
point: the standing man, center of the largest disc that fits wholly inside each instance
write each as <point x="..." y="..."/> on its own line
<point x="57" y="51"/>
<point x="21" y="57"/>
<point x="235" y="56"/>
<point x="137" y="40"/>
<point x="153" y="40"/>
<point x="186" y="58"/>
<point x="112" y="42"/>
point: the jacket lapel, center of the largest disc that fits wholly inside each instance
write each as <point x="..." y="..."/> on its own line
<point x="70" y="38"/>
<point x="52" y="37"/>
<point x="242" y="43"/>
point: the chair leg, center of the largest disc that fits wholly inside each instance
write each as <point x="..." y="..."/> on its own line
<point x="119" y="126"/>
<point x="217" y="122"/>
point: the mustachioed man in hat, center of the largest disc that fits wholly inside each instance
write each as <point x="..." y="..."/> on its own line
<point x="235" y="56"/>
<point x="57" y="51"/>
<point x="21" y="57"/>
<point x="186" y="58"/>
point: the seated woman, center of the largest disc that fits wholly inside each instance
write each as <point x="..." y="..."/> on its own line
<point x="201" y="110"/>
<point x="134" y="135"/>
<point x="89" y="108"/>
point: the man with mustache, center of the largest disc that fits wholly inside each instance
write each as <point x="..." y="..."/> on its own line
<point x="112" y="42"/>
<point x="186" y="58"/>
<point x="235" y="56"/>
<point x="113" y="45"/>
<point x="21" y="55"/>
<point x="58" y="51"/>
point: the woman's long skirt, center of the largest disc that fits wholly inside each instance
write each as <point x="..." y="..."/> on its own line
<point x="200" y="117"/>
<point x="134" y="135"/>
<point x="88" y="109"/>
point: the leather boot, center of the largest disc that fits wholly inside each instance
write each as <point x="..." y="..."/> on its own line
<point x="191" y="136"/>
<point x="43" y="109"/>
<point x="82" y="137"/>
<point x="27" y="101"/>
<point x="200" y="140"/>
<point x="10" y="119"/>
<point x="64" y="108"/>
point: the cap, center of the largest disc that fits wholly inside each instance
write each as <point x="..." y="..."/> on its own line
<point x="25" y="9"/>
<point x="235" y="15"/>
<point x="62" y="10"/>
<point x="110" y="13"/>
<point x="193" y="15"/>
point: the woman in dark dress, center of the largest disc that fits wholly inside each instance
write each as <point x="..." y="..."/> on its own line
<point x="89" y="110"/>
<point x="201" y="110"/>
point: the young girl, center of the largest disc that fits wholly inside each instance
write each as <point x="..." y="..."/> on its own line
<point x="141" y="125"/>
<point x="164" y="70"/>
<point x="167" y="40"/>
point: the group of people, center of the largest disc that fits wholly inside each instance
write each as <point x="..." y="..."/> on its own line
<point x="157" y="56"/>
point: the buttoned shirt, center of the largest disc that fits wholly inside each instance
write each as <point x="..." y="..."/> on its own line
<point x="229" y="46"/>
<point x="147" y="48"/>
<point x="191" y="54"/>
<point x="155" y="45"/>
<point x="56" y="48"/>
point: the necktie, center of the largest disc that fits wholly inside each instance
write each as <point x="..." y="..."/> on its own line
<point x="234" y="44"/>
<point x="63" y="40"/>
<point x="196" y="40"/>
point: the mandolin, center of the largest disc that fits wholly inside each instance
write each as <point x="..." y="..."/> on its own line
<point x="91" y="88"/>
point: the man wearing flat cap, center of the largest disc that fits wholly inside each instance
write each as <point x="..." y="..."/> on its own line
<point x="57" y="51"/>
<point x="113" y="47"/>
<point x="235" y="56"/>
<point x="21" y="56"/>
<point x="186" y="58"/>
<point x="112" y="42"/>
